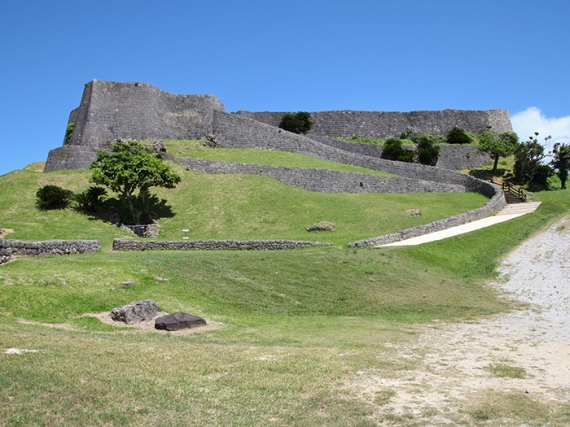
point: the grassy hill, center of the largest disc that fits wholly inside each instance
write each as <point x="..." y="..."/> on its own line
<point x="280" y="321"/>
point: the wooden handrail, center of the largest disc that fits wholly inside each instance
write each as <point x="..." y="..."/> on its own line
<point x="509" y="188"/>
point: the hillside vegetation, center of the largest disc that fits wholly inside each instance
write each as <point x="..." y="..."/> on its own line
<point x="227" y="207"/>
<point x="287" y="329"/>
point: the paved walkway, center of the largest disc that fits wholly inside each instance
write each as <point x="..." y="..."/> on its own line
<point x="509" y="212"/>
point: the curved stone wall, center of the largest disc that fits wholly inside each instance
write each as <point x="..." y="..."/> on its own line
<point x="450" y="156"/>
<point x="496" y="203"/>
<point x="323" y="180"/>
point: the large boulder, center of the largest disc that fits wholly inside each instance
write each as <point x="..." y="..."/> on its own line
<point x="177" y="321"/>
<point x="135" y="312"/>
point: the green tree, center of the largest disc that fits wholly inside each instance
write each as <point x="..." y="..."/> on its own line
<point x="299" y="122"/>
<point x="529" y="156"/>
<point x="497" y="146"/>
<point x="131" y="167"/>
<point x="428" y="148"/>
<point x="561" y="161"/>
<point x="393" y="150"/>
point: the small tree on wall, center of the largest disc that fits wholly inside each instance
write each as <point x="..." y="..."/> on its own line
<point x="299" y="123"/>
<point x="497" y="146"/>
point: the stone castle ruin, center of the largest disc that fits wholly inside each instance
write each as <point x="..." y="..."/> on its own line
<point x="113" y="110"/>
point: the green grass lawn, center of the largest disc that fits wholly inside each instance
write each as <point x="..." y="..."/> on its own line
<point x="292" y="326"/>
<point x="227" y="207"/>
<point x="196" y="150"/>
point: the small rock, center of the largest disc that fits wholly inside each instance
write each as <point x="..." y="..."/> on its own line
<point x="135" y="312"/>
<point x="322" y="226"/>
<point x="161" y="279"/>
<point x="177" y="321"/>
<point x="125" y="285"/>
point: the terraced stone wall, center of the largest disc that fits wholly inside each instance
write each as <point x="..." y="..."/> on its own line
<point x="324" y="180"/>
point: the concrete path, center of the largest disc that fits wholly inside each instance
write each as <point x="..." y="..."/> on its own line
<point x="509" y="212"/>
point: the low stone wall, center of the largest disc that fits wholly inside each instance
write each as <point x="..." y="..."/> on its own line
<point x="212" y="245"/>
<point x="323" y="180"/>
<point x="494" y="205"/>
<point x="9" y="248"/>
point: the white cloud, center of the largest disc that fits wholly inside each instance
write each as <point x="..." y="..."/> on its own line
<point x="532" y="120"/>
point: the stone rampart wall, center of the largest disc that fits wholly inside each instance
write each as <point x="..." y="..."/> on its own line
<point x="70" y="157"/>
<point x="9" y="248"/>
<point x="323" y="180"/>
<point x="212" y="245"/>
<point x="111" y="110"/>
<point x="383" y="124"/>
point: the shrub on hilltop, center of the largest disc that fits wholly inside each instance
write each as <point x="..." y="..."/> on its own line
<point x="53" y="197"/>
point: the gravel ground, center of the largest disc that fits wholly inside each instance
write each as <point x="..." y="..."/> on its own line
<point x="454" y="361"/>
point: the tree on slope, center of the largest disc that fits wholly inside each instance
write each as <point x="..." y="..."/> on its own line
<point x="497" y="146"/>
<point x="561" y="161"/>
<point x="131" y="167"/>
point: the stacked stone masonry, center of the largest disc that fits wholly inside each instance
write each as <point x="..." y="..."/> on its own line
<point x="383" y="124"/>
<point x="324" y="180"/>
<point x="10" y="248"/>
<point x="212" y="245"/>
<point x="453" y="157"/>
<point x="112" y="110"/>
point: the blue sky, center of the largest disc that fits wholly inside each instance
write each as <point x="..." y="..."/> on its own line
<point x="295" y="55"/>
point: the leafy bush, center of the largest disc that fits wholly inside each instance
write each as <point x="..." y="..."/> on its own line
<point x="428" y="149"/>
<point x="53" y="197"/>
<point x="91" y="200"/>
<point x="393" y="150"/>
<point x="458" y="136"/>
<point x="299" y="123"/>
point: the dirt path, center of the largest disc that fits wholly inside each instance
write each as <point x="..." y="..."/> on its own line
<point x="496" y="371"/>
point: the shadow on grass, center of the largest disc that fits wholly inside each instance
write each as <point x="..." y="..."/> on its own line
<point x="113" y="210"/>
<point x="487" y="174"/>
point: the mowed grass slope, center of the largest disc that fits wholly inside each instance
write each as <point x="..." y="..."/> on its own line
<point x="290" y="327"/>
<point x="227" y="207"/>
